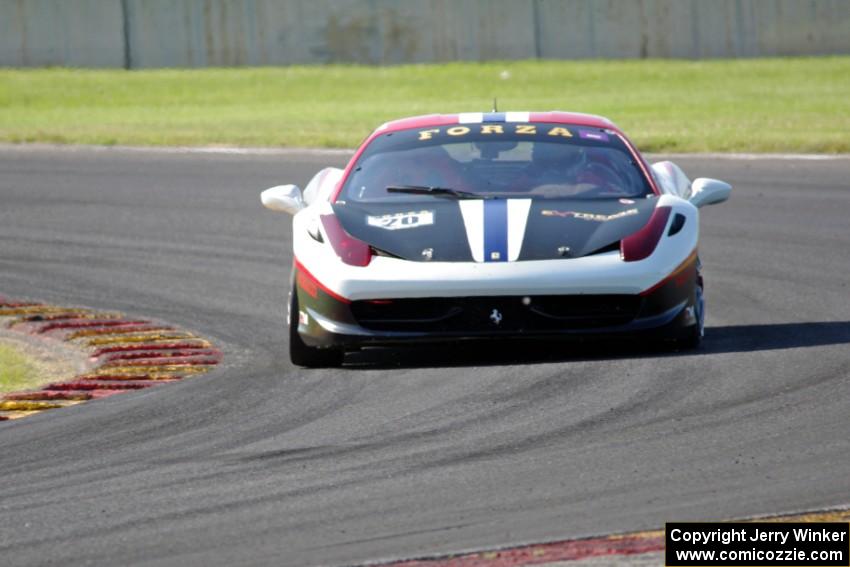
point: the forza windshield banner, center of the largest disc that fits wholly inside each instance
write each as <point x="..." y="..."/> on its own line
<point x="757" y="543"/>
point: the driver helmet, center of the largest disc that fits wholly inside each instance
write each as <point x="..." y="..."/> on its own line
<point x="559" y="156"/>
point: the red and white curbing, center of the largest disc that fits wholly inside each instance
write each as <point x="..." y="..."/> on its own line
<point x="126" y="354"/>
<point x="549" y="553"/>
<point x="636" y="549"/>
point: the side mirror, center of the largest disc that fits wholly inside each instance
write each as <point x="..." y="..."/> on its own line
<point x="672" y="179"/>
<point x="283" y="198"/>
<point x="705" y="191"/>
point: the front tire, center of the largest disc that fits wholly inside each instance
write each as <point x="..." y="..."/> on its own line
<point x="302" y="354"/>
<point x="691" y="337"/>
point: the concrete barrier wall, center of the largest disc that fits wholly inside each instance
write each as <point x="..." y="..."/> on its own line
<point x="79" y="33"/>
<point x="200" y="33"/>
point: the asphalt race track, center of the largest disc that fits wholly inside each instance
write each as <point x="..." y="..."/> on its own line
<point x="424" y="452"/>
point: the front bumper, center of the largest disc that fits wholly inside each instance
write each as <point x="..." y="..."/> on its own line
<point x="329" y="320"/>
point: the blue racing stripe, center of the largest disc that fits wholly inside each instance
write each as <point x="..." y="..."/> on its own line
<point x="494" y="117"/>
<point x="495" y="230"/>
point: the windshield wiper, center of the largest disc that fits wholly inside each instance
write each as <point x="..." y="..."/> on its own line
<point x="436" y="191"/>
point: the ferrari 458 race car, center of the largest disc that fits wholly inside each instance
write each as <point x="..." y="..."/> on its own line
<point x="483" y="225"/>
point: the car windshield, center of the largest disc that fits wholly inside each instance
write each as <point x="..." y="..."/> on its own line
<point x="496" y="160"/>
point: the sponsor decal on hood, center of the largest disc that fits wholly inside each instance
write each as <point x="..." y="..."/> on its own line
<point x="588" y="216"/>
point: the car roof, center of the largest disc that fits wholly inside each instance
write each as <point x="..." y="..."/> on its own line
<point x="556" y="117"/>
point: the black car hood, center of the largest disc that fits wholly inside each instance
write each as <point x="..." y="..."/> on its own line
<point x="435" y="228"/>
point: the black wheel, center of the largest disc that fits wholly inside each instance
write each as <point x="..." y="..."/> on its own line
<point x="691" y="337"/>
<point x="302" y="354"/>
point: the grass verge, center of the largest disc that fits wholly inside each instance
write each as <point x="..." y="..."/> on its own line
<point x="17" y="371"/>
<point x="745" y="105"/>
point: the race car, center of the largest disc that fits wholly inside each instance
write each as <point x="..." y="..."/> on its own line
<point x="515" y="225"/>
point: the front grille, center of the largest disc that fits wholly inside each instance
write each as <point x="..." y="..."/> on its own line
<point x="509" y="314"/>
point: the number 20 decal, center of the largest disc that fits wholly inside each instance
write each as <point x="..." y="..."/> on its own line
<point x="402" y="220"/>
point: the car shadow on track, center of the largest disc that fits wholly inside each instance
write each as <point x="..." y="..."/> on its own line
<point x="718" y="340"/>
<point x="749" y="338"/>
